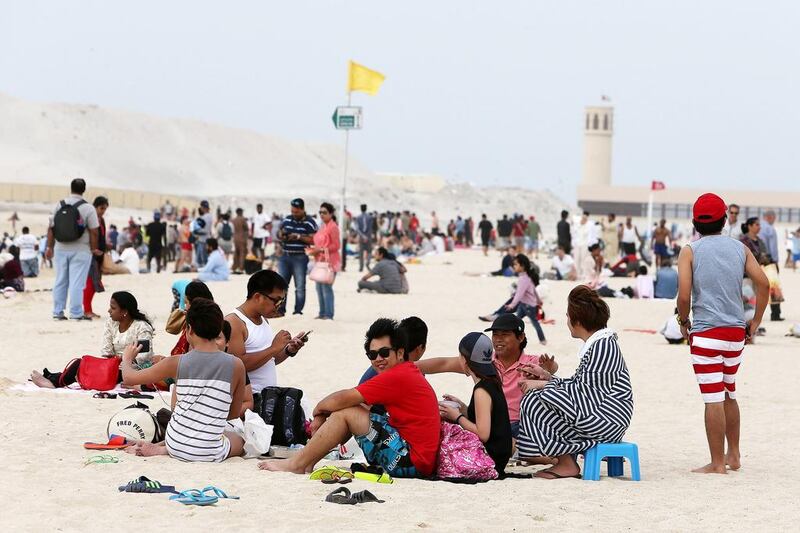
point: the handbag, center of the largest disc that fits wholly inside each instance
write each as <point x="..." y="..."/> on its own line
<point x="322" y="271"/>
<point x="176" y="322"/>
<point x="462" y="456"/>
<point x="98" y="373"/>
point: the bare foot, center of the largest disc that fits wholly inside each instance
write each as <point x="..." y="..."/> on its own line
<point x="40" y="381"/>
<point x="710" y="469"/>
<point x="147" y="449"/>
<point x="281" y="465"/>
<point x="566" y="467"/>
<point x="733" y="461"/>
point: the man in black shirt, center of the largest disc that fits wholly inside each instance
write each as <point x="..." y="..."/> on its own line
<point x="563" y="231"/>
<point x="486" y="233"/>
<point x="157" y="235"/>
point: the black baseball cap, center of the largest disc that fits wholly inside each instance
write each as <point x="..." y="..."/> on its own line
<point x="298" y="203"/>
<point x="507" y="322"/>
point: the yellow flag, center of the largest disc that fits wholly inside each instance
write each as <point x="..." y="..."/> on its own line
<point x="360" y="78"/>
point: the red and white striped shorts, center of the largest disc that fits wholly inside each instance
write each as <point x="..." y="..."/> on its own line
<point x="716" y="355"/>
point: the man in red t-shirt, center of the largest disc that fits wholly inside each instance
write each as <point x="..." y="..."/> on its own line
<point x="403" y="441"/>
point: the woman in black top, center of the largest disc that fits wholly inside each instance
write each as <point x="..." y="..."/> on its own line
<point x="487" y="414"/>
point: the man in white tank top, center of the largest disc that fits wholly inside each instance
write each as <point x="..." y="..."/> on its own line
<point x="710" y="272"/>
<point x="252" y="338"/>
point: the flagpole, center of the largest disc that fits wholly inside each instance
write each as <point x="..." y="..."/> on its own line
<point x="342" y="214"/>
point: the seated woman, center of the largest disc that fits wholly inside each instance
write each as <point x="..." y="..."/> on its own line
<point x="210" y="388"/>
<point x="565" y="416"/>
<point x="177" y="320"/>
<point x="487" y="414"/>
<point x="12" y="271"/>
<point x="126" y="325"/>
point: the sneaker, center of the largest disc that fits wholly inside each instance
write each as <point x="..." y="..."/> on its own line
<point x="488" y="318"/>
<point x="84" y="317"/>
<point x="59" y="317"/>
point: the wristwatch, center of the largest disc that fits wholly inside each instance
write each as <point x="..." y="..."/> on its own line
<point x="682" y="323"/>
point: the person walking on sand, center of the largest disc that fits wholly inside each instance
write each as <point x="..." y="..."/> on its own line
<point x="710" y="273"/>
<point x="296" y="234"/>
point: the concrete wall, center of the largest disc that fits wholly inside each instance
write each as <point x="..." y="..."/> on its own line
<point x="29" y="193"/>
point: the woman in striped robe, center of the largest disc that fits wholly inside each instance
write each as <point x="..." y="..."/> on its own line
<point x="561" y="417"/>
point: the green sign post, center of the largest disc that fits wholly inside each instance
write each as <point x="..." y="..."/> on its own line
<point x="347" y="118"/>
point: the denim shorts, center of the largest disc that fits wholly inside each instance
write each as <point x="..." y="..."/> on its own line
<point x="383" y="446"/>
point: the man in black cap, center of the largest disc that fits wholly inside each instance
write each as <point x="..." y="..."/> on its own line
<point x="509" y="342"/>
<point x="296" y="234"/>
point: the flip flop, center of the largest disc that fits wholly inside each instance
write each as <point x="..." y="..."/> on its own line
<point x="218" y="493"/>
<point x="555" y="475"/>
<point x="375" y="478"/>
<point x="116" y="442"/>
<point x="135" y="394"/>
<point x="104" y="395"/>
<point x="330" y="473"/>
<point x="341" y="496"/>
<point x="148" y="486"/>
<point x="366" y="496"/>
<point x="194" y="497"/>
<point x="100" y="460"/>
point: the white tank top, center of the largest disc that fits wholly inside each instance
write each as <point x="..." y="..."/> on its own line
<point x="259" y="337"/>
<point x="628" y="234"/>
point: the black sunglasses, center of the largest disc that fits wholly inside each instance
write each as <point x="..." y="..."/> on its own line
<point x="383" y="352"/>
<point x="323" y="212"/>
<point x="276" y="301"/>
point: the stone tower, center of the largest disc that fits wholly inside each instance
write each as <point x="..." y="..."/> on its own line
<point x="598" y="129"/>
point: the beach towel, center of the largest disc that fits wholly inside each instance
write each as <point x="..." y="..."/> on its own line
<point x="462" y="456"/>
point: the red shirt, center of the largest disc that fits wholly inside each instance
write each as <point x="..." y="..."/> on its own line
<point x="413" y="410"/>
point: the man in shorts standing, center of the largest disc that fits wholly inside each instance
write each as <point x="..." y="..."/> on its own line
<point x="534" y="232"/>
<point x="485" y="228"/>
<point x="660" y="245"/>
<point x="260" y="232"/>
<point x="710" y="272"/>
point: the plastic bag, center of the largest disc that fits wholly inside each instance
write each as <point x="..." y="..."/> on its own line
<point x="257" y="435"/>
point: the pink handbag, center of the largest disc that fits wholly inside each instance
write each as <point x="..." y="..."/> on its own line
<point x="322" y="271"/>
<point x="462" y="456"/>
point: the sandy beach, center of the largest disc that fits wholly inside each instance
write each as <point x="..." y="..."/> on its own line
<point x="47" y="486"/>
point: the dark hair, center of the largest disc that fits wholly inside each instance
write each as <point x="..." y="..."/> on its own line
<point x="100" y="201"/>
<point x="564" y="214"/>
<point x="585" y="307"/>
<point x="77" y="186"/>
<point x="666" y="262"/>
<point x="383" y="251"/>
<point x="642" y="270"/>
<point x="475" y="368"/>
<point x="594" y="247"/>
<point x="265" y="281"/>
<point x="749" y="222"/>
<point x="205" y="318"/>
<point x="329" y="207"/>
<point x="363" y="208"/>
<point x="259" y="205"/>
<point x="239" y="211"/>
<point x="731" y="206"/>
<point x="198" y="289"/>
<point x="25" y="229"/>
<point x="709" y="228"/>
<point x="417" y="332"/>
<point x="386" y="327"/>
<point x="226" y="331"/>
<point x="528" y="267"/>
<point x="14" y="250"/>
<point x="212" y="243"/>
<point x="127" y="301"/>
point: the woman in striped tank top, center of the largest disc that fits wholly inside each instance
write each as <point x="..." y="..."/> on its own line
<point x="210" y="387"/>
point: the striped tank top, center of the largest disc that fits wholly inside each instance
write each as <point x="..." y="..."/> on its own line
<point x="204" y="396"/>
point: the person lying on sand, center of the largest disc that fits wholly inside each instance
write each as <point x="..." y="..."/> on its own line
<point x="405" y="448"/>
<point x="210" y="386"/>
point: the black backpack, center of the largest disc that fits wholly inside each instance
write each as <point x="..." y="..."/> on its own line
<point x="68" y="225"/>
<point x="226" y="233"/>
<point x="280" y="407"/>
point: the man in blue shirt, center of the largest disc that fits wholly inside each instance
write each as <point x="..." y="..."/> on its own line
<point x="770" y="238"/>
<point x="216" y="268"/>
<point x="296" y="234"/>
<point x="666" y="280"/>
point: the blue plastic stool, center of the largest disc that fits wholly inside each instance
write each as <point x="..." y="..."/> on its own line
<point x="614" y="452"/>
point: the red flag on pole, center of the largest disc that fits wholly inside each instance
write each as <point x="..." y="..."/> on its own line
<point x="657" y="186"/>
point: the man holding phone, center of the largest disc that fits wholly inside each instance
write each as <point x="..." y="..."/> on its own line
<point x="296" y="234"/>
<point x="252" y="338"/>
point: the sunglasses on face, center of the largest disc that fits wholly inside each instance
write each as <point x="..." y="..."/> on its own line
<point x="323" y="212"/>
<point x="734" y="212"/>
<point x="383" y="352"/>
<point x="276" y="301"/>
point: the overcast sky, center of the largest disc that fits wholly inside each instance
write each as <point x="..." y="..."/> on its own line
<point x="487" y="92"/>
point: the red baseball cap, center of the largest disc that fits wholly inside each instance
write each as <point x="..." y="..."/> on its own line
<point x="709" y="208"/>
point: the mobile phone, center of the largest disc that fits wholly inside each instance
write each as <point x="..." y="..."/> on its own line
<point x="305" y="337"/>
<point x="145" y="345"/>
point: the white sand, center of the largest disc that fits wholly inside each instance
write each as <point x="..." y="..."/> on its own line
<point x="45" y="485"/>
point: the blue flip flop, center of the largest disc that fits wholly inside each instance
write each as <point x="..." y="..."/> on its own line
<point x="194" y="497"/>
<point x="219" y="493"/>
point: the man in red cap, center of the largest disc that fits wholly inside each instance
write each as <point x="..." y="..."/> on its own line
<point x="710" y="273"/>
